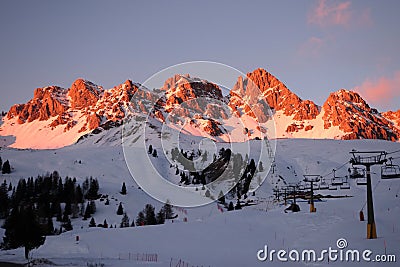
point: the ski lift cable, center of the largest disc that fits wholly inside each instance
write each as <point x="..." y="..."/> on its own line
<point x="397" y="151"/>
<point x="336" y="169"/>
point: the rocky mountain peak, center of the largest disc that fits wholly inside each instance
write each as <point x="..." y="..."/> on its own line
<point x="84" y="93"/>
<point x="264" y="85"/>
<point x="349" y="111"/>
<point x="46" y="102"/>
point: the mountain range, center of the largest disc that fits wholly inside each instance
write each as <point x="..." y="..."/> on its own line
<point x="257" y="105"/>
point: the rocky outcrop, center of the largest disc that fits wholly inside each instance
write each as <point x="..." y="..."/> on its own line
<point x="84" y="93"/>
<point x="184" y="99"/>
<point x="47" y="102"/>
<point x="190" y="93"/>
<point x="393" y="116"/>
<point x="261" y="87"/>
<point x="354" y="116"/>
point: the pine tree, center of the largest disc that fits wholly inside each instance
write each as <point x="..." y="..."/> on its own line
<point x="66" y="223"/>
<point x="124" y="221"/>
<point x="78" y="194"/>
<point x="167" y="208"/>
<point x="149" y="215"/>
<point x="49" y="226"/>
<point x="107" y="202"/>
<point x="6" y="167"/>
<point x="105" y="224"/>
<point x="120" y="209"/>
<point x="230" y="206"/>
<point x="74" y="210"/>
<point x="88" y="212"/>
<point x="92" y="207"/>
<point x="160" y="218"/>
<point x="133" y="223"/>
<point x="10" y="188"/>
<point x="23" y="230"/>
<point x="93" y="189"/>
<point x="140" y="220"/>
<point x="154" y="153"/>
<point x="150" y="149"/>
<point x="123" y="189"/>
<point x="67" y="208"/>
<point x="92" y="223"/>
<point x="238" y="206"/>
<point x="4" y="201"/>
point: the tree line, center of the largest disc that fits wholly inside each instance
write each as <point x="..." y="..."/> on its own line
<point x="29" y="208"/>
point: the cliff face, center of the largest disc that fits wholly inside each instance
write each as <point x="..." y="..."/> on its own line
<point x="261" y="84"/>
<point x="185" y="100"/>
<point x="354" y="116"/>
<point x="57" y="105"/>
<point x="46" y="102"/>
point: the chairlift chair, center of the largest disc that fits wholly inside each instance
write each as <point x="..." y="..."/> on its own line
<point x="345" y="185"/>
<point x="356" y="172"/>
<point x="332" y="187"/>
<point x="390" y="171"/>
<point x="337" y="181"/>
<point x="323" y="185"/>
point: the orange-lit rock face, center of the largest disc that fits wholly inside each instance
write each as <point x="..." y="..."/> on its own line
<point x="47" y="102"/>
<point x="84" y="93"/>
<point x="261" y="84"/>
<point x="183" y="98"/>
<point x="354" y="116"/>
<point x="393" y="116"/>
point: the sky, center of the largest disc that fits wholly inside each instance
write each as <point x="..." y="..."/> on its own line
<point x="315" y="47"/>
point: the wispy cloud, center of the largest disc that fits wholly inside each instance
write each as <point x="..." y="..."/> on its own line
<point x="326" y="13"/>
<point x="312" y="47"/>
<point x="383" y="91"/>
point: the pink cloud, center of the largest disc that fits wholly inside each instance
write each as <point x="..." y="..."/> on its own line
<point x="312" y="47"/>
<point x="382" y="92"/>
<point x="326" y="13"/>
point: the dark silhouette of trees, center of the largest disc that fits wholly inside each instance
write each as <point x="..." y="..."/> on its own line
<point x="140" y="219"/>
<point x="23" y="230"/>
<point x="123" y="189"/>
<point x="120" y="209"/>
<point x="6" y="167"/>
<point x="149" y="215"/>
<point x="124" y="221"/>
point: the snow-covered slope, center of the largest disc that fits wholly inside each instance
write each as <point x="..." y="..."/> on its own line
<point x="211" y="237"/>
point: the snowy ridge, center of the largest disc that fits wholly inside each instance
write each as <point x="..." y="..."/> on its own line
<point x="258" y="105"/>
<point x="238" y="234"/>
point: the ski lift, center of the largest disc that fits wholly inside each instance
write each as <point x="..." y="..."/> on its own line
<point x="345" y="185"/>
<point x="356" y="172"/>
<point x="323" y="185"/>
<point x="390" y="171"/>
<point x="337" y="180"/>
<point x="332" y="187"/>
<point x="301" y="187"/>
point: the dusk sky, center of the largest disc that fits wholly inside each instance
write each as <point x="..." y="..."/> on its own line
<point x="314" y="47"/>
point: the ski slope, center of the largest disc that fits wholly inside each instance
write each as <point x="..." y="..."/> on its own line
<point x="211" y="237"/>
